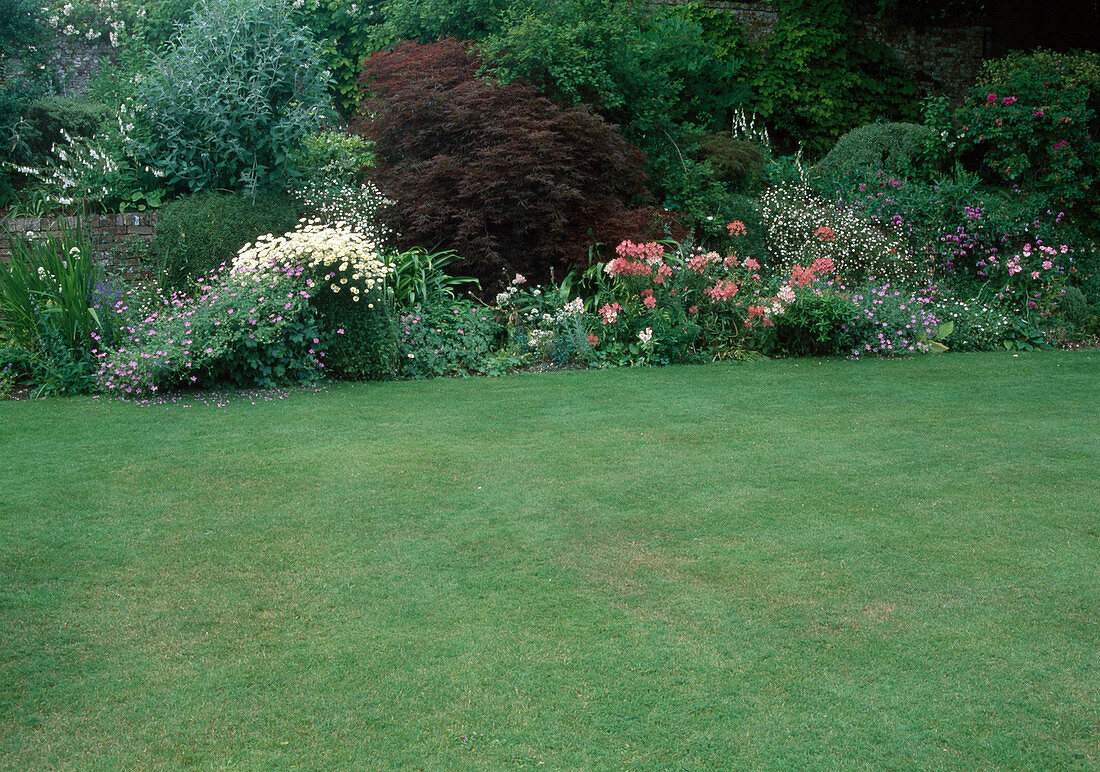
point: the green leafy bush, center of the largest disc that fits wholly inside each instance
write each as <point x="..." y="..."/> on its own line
<point x="228" y="104"/>
<point x="1072" y="306"/>
<point x="196" y="234"/>
<point x="456" y="337"/>
<point x="22" y="31"/>
<point x="17" y="134"/>
<point x="815" y="325"/>
<point x="346" y="31"/>
<point x="736" y="162"/>
<point x="427" y="20"/>
<point x="419" y="279"/>
<point x="364" y="346"/>
<point x="50" y="116"/>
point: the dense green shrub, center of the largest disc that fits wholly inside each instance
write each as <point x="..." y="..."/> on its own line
<point x="229" y="103"/>
<point x="429" y="20"/>
<point x="641" y="67"/>
<point x="16" y="134"/>
<point x="736" y="162"/>
<point x="1073" y="306"/>
<point x="198" y="233"/>
<point x="364" y="343"/>
<point x="48" y="117"/>
<point x="456" y="337"/>
<point x="864" y="152"/>
<point x="815" y="325"/>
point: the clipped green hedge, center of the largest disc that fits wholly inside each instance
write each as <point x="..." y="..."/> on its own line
<point x="198" y="233"/>
<point x="891" y="148"/>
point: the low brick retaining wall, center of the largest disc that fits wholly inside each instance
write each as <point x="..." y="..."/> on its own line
<point x="122" y="240"/>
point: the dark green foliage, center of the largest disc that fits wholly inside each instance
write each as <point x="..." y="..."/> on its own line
<point x="428" y="20"/>
<point x="163" y="19"/>
<point x="923" y="13"/>
<point x="50" y="116"/>
<point x="736" y="162"/>
<point x="818" y="79"/>
<point x="722" y="31"/>
<point x="891" y="148"/>
<point x="1031" y="120"/>
<point x="16" y="97"/>
<point x="451" y="338"/>
<point x="198" y="233"/>
<point x="362" y="339"/>
<point x="347" y="31"/>
<point x="51" y="367"/>
<point x="22" y="32"/>
<point x="645" y="69"/>
<point x="651" y="70"/>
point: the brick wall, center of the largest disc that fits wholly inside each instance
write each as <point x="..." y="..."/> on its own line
<point x="122" y="240"/>
<point x="74" y="61"/>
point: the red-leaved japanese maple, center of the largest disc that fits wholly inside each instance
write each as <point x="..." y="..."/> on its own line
<point x="505" y="177"/>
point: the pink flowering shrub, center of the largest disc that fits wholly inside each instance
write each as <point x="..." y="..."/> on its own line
<point x="890" y="321"/>
<point x="660" y="306"/>
<point x="1031" y="280"/>
<point x="1029" y="121"/>
<point x="245" y="333"/>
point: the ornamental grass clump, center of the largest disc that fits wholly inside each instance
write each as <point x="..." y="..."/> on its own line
<point x="346" y="272"/>
<point x="47" y="322"/>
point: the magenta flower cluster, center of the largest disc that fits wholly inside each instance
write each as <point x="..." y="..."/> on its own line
<point x="223" y="330"/>
<point x="891" y="322"/>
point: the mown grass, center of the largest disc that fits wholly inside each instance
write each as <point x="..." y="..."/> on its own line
<point x="785" y="564"/>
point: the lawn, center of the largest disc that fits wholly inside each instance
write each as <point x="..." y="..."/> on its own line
<point x="780" y="564"/>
